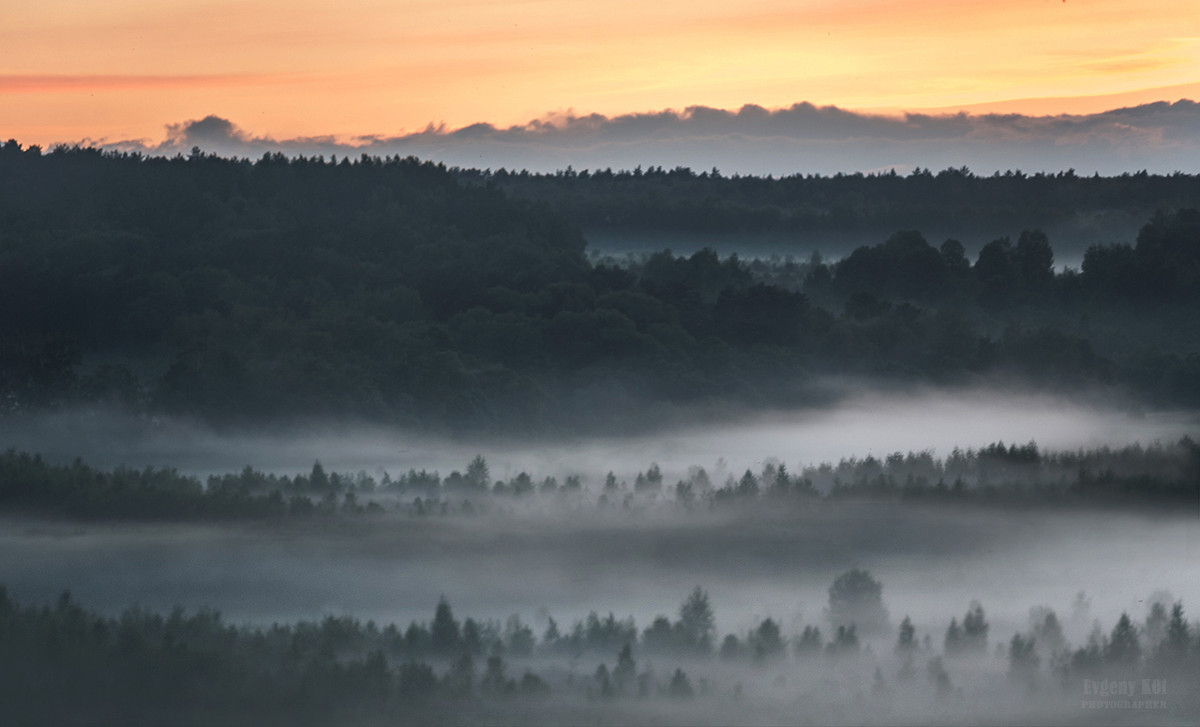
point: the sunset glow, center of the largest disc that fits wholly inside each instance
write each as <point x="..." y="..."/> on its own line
<point x="77" y="69"/>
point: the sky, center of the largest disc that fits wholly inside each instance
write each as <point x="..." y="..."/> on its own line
<point x="129" y="71"/>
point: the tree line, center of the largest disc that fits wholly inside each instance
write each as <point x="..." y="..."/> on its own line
<point x="684" y="200"/>
<point x="61" y="663"/>
<point x="1155" y="476"/>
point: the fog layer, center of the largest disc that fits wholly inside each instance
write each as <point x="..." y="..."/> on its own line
<point x="933" y="561"/>
<point x="860" y="425"/>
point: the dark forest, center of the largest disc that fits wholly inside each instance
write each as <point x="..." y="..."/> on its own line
<point x="387" y="290"/>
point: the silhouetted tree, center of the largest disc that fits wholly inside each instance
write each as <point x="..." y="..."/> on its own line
<point x="518" y="637"/>
<point x="1123" y="646"/>
<point x="696" y="621"/>
<point x="1175" y="647"/>
<point x="809" y="642"/>
<point x="765" y="641"/>
<point x="477" y="473"/>
<point x="907" y="641"/>
<point x="660" y="637"/>
<point x="681" y="686"/>
<point x="731" y="648"/>
<point x="845" y="641"/>
<point x="856" y="597"/>
<point x="955" y="258"/>
<point x="975" y="629"/>
<point x="954" y="642"/>
<point x="1047" y="629"/>
<point x="1156" y="624"/>
<point x="445" y="637"/>
<point x="472" y="640"/>
<point x="1035" y="259"/>
<point x="626" y="669"/>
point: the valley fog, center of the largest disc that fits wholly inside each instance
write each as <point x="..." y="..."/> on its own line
<point x="564" y="560"/>
<point x="933" y="561"/>
<point x="859" y="425"/>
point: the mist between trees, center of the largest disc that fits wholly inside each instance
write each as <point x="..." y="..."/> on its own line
<point x="1156" y="476"/>
<point x="63" y="664"/>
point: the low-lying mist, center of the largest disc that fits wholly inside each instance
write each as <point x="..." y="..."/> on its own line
<point x="862" y="424"/>
<point x="932" y="560"/>
<point x="1071" y="239"/>
<point x="934" y="565"/>
<point x="551" y="561"/>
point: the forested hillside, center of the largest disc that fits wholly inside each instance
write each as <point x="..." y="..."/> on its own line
<point x="389" y="290"/>
<point x="685" y="201"/>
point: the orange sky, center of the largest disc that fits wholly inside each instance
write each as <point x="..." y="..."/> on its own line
<point x="122" y="69"/>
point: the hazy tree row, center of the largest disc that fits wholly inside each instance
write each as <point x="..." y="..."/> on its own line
<point x="1155" y="476"/>
<point x="62" y="663"/>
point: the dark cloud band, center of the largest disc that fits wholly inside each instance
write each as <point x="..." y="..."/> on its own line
<point x="804" y="138"/>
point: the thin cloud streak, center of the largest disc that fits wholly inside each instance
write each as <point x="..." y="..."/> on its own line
<point x="60" y="83"/>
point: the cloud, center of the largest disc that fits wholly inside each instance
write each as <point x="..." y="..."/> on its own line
<point x="209" y="130"/>
<point x="803" y="138"/>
